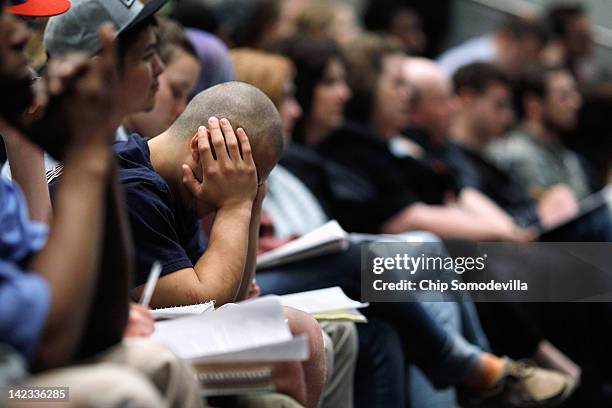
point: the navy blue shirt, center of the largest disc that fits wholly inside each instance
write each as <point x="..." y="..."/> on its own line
<point x="163" y="230"/>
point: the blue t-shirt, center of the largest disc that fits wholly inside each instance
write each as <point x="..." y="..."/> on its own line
<point x="25" y="297"/>
<point x="163" y="230"/>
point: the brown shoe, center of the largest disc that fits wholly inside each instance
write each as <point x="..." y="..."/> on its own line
<point x="522" y="386"/>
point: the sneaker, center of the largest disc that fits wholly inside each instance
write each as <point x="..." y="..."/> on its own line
<point x="522" y="386"/>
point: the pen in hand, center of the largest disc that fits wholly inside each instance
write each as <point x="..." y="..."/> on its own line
<point x="149" y="288"/>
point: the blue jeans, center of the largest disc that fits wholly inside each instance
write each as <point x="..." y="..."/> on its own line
<point x="381" y="367"/>
<point x="444" y="355"/>
<point x="460" y="320"/>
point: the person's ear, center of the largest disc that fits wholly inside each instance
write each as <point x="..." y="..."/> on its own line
<point x="193" y="148"/>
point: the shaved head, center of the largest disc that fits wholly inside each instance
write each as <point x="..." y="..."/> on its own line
<point x="244" y="106"/>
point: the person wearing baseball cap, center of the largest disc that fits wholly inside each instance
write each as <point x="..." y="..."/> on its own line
<point x="139" y="61"/>
<point x="76" y="30"/>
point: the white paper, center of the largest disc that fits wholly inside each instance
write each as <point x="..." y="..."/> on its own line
<point x="321" y="300"/>
<point x="295" y="349"/>
<point x="237" y="331"/>
<point x="328" y="238"/>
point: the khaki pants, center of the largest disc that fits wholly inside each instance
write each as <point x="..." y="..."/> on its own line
<point x="173" y="378"/>
<point x="341" y="348"/>
<point x="141" y="373"/>
<point x="136" y="371"/>
<point x="99" y="386"/>
<point x="272" y="400"/>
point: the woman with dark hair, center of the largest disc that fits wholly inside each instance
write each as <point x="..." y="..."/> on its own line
<point x="322" y="91"/>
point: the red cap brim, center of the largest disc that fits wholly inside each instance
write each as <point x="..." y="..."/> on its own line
<point x="40" y="8"/>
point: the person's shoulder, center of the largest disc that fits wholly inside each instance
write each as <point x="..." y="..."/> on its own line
<point x="360" y="133"/>
<point x="136" y="173"/>
<point x="134" y="161"/>
<point x="133" y="151"/>
<point x="350" y="139"/>
<point x="516" y="145"/>
<point x="144" y="185"/>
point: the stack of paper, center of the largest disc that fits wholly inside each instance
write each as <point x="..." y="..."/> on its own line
<point x="328" y="238"/>
<point x="251" y="331"/>
<point x="326" y="304"/>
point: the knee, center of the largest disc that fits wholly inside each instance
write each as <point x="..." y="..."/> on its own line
<point x="157" y="362"/>
<point x="301" y="323"/>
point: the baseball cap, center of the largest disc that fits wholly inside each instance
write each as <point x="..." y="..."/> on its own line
<point x="77" y="29"/>
<point x="38" y="8"/>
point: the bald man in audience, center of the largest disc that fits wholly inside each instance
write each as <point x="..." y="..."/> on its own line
<point x="202" y="169"/>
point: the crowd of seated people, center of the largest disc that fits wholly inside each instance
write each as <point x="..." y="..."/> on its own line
<point x="200" y="134"/>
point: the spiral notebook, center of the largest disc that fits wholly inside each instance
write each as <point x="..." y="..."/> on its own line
<point x="235" y="379"/>
<point x="183" y="311"/>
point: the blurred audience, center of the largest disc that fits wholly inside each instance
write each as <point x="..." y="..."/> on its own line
<point x="392" y="17"/>
<point x="549" y="102"/>
<point x="516" y="42"/>
<point x="289" y="201"/>
<point x="240" y="23"/>
<point x="484" y="94"/>
<point x="571" y="43"/>
<point x="335" y="21"/>
<point x="379" y="110"/>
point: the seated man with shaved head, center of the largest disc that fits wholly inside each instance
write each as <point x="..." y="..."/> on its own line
<point x="206" y="166"/>
<point x="197" y="167"/>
